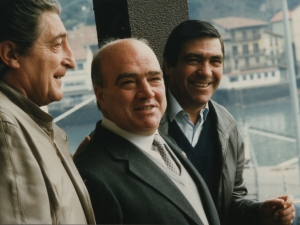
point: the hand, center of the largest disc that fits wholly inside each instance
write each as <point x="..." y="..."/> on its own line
<point x="81" y="145"/>
<point x="277" y="211"/>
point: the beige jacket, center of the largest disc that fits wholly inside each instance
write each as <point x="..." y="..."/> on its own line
<point x="39" y="183"/>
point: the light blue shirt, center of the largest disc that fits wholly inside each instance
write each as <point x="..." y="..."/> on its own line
<point x="191" y="131"/>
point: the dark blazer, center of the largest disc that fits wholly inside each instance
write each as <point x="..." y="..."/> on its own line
<point x="233" y="207"/>
<point x="127" y="187"/>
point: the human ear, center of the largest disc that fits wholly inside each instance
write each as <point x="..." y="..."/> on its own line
<point x="8" y="54"/>
<point x="99" y="93"/>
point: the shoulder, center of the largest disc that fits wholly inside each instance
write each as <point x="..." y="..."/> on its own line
<point x="225" y="121"/>
<point x="221" y="111"/>
<point x="8" y="112"/>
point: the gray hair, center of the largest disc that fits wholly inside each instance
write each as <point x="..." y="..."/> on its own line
<point x="20" y="22"/>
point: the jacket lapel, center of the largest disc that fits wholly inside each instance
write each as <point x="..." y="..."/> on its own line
<point x="206" y="199"/>
<point x="75" y="177"/>
<point x="146" y="170"/>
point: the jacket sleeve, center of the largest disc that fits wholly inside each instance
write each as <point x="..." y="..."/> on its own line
<point x="243" y="210"/>
<point x="21" y="184"/>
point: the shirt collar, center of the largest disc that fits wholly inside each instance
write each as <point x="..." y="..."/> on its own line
<point x="174" y="108"/>
<point x="143" y="142"/>
<point x="26" y="104"/>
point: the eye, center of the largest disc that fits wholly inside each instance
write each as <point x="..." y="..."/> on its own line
<point x="156" y="79"/>
<point x="127" y="84"/>
<point x="216" y="62"/>
<point x="193" y="61"/>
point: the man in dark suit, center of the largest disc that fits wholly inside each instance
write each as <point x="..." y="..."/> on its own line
<point x="133" y="174"/>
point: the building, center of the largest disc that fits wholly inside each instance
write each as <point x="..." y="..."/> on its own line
<point x="253" y="54"/>
<point x="277" y="26"/>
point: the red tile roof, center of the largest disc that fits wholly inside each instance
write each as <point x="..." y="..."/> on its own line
<point x="279" y="17"/>
<point x="230" y="23"/>
<point x="80" y="38"/>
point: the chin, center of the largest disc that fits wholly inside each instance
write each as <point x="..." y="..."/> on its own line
<point x="55" y="98"/>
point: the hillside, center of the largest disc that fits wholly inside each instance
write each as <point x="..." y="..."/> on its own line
<point x="81" y="11"/>
<point x="257" y="9"/>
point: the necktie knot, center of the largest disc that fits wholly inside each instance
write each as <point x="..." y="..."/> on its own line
<point x="170" y="163"/>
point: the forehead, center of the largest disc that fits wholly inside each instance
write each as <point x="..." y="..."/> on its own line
<point x="51" y="26"/>
<point x="202" y="45"/>
<point x="134" y="58"/>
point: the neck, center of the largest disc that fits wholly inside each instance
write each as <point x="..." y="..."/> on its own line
<point x="193" y="114"/>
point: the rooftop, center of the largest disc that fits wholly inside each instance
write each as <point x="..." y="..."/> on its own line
<point x="81" y="37"/>
<point x="230" y="23"/>
<point x="279" y="17"/>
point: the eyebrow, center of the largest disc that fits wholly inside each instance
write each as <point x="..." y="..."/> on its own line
<point x="128" y="74"/>
<point x="200" y="56"/>
<point x="62" y="35"/>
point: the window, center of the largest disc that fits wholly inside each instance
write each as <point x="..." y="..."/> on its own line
<point x="73" y="84"/>
<point x="245" y="49"/>
<point x="233" y="79"/>
<point x="258" y="75"/>
<point x="234" y="50"/>
<point x="247" y="61"/>
<point x="264" y="120"/>
<point x="79" y="66"/>
<point x="236" y="64"/>
<point x="255" y="47"/>
<point x="244" y="34"/>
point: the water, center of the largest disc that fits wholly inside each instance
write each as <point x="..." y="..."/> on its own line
<point x="273" y="116"/>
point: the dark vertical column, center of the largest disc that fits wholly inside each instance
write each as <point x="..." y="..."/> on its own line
<point x="149" y="19"/>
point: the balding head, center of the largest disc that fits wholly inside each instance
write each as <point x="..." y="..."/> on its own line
<point x="111" y="49"/>
<point x="131" y="91"/>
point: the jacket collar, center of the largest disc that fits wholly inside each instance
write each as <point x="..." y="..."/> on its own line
<point x="25" y="104"/>
<point x="145" y="169"/>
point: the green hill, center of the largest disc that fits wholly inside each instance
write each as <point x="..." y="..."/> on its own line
<point x="81" y="11"/>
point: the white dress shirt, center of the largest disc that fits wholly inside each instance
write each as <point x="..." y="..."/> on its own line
<point x="184" y="181"/>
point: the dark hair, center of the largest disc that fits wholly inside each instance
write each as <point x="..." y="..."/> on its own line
<point x="184" y="32"/>
<point x="20" y="22"/>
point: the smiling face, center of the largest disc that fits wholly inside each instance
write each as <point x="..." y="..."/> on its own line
<point x="197" y="73"/>
<point x="134" y="93"/>
<point x="39" y="71"/>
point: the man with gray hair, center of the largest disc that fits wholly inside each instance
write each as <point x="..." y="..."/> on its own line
<point x="39" y="181"/>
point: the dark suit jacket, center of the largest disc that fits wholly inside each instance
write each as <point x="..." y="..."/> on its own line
<point x="127" y="187"/>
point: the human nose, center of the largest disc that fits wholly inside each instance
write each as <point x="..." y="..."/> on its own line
<point x="145" y="90"/>
<point x="69" y="60"/>
<point x="205" y="69"/>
